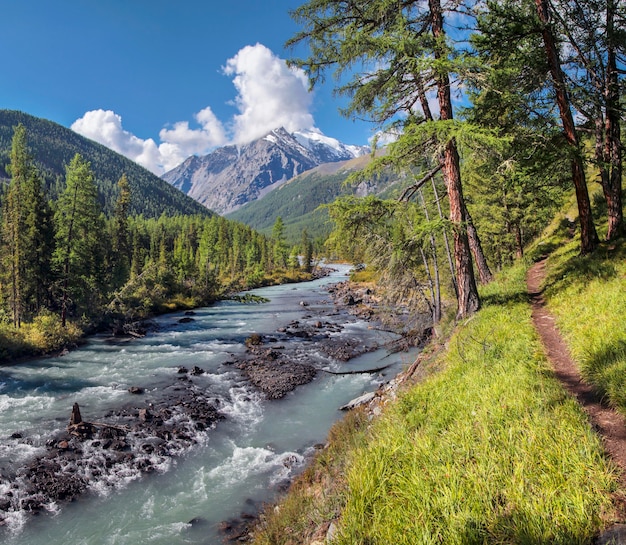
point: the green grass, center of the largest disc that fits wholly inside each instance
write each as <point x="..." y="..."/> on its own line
<point x="491" y="450"/>
<point x="587" y="295"/>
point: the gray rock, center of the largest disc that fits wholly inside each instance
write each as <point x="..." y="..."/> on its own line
<point x="615" y="535"/>
<point x="358" y="401"/>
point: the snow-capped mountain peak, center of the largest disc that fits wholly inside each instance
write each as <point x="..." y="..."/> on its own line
<point x="314" y="140"/>
<point x="230" y="176"/>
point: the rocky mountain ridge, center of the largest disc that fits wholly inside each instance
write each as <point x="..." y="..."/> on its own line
<point x="231" y="176"/>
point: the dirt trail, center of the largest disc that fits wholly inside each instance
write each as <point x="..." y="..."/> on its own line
<point x="608" y="423"/>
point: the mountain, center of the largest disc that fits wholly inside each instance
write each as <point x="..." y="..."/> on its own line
<point x="53" y="146"/>
<point x="298" y="201"/>
<point x="231" y="176"/>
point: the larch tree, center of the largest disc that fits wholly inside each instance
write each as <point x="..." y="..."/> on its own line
<point x="388" y="49"/>
<point x="594" y="32"/>
<point x="588" y="235"/>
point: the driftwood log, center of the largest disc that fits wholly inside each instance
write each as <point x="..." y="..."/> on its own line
<point x="78" y="427"/>
<point x="361" y="372"/>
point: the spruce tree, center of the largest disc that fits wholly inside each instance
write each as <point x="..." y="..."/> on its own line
<point x="78" y="229"/>
<point x="26" y="234"/>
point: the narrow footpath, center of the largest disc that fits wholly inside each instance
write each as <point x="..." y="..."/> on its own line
<point x="608" y="423"/>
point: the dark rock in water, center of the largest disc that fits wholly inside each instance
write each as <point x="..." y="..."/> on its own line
<point x="89" y="452"/>
<point x="16" y="435"/>
<point x="186" y="320"/>
<point x="136" y="390"/>
<point x="195" y="371"/>
<point x="197" y="521"/>
<point x="275" y="378"/>
<point x="190" y="313"/>
<point x="182" y="370"/>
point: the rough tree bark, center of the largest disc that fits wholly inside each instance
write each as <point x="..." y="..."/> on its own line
<point x="467" y="298"/>
<point x="588" y="235"/>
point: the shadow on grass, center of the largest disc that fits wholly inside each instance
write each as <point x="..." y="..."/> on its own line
<point x="606" y="369"/>
<point x="499" y="298"/>
<point x="598" y="265"/>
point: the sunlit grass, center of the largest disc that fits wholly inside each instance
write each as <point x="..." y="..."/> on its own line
<point x="488" y="450"/>
<point x="42" y="336"/>
<point x="588" y="297"/>
<point x="491" y="450"/>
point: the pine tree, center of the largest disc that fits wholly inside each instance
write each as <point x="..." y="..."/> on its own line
<point x="121" y="245"/>
<point x="281" y="250"/>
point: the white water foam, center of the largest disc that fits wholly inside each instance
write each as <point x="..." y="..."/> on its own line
<point x="246" y="461"/>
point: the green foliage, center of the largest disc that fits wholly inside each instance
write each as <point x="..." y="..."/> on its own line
<point x="80" y="267"/>
<point x="79" y="253"/>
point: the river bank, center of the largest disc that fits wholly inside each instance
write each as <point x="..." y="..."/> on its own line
<point x="45" y="336"/>
<point x="486" y="446"/>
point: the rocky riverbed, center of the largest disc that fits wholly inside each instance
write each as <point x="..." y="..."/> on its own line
<point x="152" y="427"/>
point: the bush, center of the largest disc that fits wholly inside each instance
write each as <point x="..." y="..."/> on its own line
<point x="46" y="334"/>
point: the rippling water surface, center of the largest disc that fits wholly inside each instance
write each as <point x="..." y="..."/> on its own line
<point x="229" y="469"/>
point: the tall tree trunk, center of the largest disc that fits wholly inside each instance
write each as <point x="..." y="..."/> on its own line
<point x="446" y="242"/>
<point x="588" y="235"/>
<point x="467" y="298"/>
<point x="612" y="184"/>
<point x="484" y="272"/>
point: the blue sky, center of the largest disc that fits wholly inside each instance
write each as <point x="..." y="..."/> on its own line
<point x="160" y="80"/>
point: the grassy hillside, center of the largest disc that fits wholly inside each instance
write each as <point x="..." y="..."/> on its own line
<point x="53" y="146"/>
<point x="297" y="202"/>
<point x="488" y="448"/>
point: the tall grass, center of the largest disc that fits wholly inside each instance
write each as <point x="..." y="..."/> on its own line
<point x="588" y="297"/>
<point x="491" y="450"/>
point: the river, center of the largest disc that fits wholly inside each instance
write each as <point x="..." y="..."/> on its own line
<point x="228" y="470"/>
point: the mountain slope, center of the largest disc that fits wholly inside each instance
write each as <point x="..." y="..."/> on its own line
<point x="232" y="176"/>
<point x="297" y="202"/>
<point x="53" y="146"/>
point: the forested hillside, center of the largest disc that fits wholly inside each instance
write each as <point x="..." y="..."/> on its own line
<point x="53" y="146"/>
<point x="300" y="201"/>
<point x="67" y="267"/>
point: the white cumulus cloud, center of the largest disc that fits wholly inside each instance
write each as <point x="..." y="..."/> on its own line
<point x="270" y="95"/>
